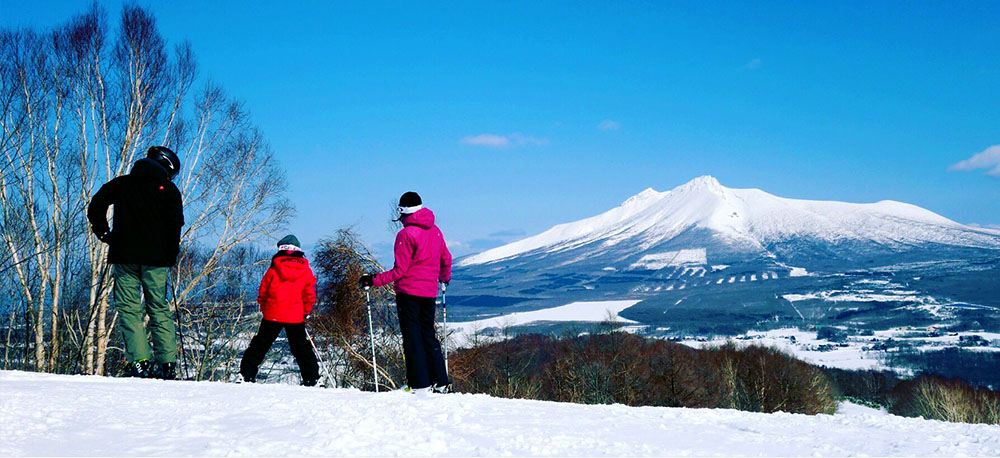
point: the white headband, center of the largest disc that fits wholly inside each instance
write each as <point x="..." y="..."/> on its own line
<point x="288" y="248"/>
<point x="409" y="210"/>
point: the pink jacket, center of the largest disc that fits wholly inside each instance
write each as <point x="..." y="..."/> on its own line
<point x="422" y="259"/>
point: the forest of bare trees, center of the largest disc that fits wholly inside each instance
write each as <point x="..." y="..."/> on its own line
<point x="78" y="105"/>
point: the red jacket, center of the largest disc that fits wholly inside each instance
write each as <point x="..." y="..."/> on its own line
<point x="288" y="291"/>
<point x="422" y="258"/>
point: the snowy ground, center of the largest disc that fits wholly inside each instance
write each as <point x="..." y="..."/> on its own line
<point x="48" y="415"/>
<point x="856" y="352"/>
<point x="804" y="344"/>
<point x="576" y="311"/>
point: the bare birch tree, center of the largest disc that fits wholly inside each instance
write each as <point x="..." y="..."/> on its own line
<point x="78" y="105"/>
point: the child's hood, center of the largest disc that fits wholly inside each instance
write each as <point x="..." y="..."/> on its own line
<point x="291" y="267"/>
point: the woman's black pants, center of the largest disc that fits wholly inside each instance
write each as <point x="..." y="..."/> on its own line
<point x="424" y="361"/>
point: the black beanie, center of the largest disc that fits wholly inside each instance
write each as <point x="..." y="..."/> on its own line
<point x="289" y="240"/>
<point x="410" y="199"/>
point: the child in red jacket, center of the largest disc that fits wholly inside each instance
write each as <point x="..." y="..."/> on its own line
<point x="286" y="297"/>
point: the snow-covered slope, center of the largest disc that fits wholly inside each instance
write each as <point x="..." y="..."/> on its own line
<point x="594" y="312"/>
<point x="45" y="415"/>
<point x="745" y="219"/>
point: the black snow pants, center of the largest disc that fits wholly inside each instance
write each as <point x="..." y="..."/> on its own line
<point x="424" y="361"/>
<point x="297" y="341"/>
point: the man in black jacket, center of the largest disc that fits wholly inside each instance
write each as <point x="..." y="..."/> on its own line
<point x="143" y="245"/>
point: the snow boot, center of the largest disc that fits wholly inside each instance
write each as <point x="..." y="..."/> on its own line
<point x="168" y="371"/>
<point x="407" y="389"/>
<point x="247" y="379"/>
<point x="309" y="383"/>
<point x="441" y="389"/>
<point x="141" y="369"/>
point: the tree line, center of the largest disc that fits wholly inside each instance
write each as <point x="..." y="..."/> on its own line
<point x="606" y="365"/>
<point x="77" y="104"/>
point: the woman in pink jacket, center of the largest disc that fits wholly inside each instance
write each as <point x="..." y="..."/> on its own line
<point x="422" y="261"/>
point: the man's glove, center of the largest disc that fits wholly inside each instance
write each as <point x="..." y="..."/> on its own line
<point x="306" y="317"/>
<point x="367" y="280"/>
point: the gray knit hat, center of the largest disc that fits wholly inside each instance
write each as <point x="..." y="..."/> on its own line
<point x="289" y="243"/>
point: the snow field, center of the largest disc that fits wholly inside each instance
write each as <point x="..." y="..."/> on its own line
<point x="577" y="311"/>
<point x="679" y="258"/>
<point x="96" y="416"/>
<point x="803" y="347"/>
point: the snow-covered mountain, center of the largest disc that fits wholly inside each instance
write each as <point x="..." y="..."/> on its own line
<point x="61" y="415"/>
<point x="715" y="259"/>
<point x="702" y="219"/>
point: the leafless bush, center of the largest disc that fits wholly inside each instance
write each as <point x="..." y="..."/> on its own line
<point x="624" y="368"/>
<point x="507" y="368"/>
<point x="341" y="322"/>
<point x="938" y="398"/>
<point x="872" y="388"/>
<point x="765" y="379"/>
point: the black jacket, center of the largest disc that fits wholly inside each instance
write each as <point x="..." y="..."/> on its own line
<point x="148" y="216"/>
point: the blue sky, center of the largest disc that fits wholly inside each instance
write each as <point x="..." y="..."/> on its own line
<point x="510" y="117"/>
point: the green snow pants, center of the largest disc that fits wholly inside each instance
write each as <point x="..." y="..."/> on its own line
<point x="132" y="283"/>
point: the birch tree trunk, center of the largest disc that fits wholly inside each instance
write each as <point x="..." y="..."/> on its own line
<point x="78" y="105"/>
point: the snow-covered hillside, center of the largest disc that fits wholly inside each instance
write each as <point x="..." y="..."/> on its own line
<point x="592" y="312"/>
<point x="46" y="415"/>
<point x="746" y="219"/>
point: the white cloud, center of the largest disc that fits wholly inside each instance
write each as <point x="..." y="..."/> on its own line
<point x="454" y="244"/>
<point x="491" y="140"/>
<point x="608" y="124"/>
<point x="519" y="139"/>
<point x="987" y="159"/>
<point x="754" y="64"/>
<point x="502" y="141"/>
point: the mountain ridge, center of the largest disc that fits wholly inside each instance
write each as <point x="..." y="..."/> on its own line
<point x="746" y="216"/>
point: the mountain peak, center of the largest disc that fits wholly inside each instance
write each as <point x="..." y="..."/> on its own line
<point x="703" y="183"/>
<point x="746" y="218"/>
<point x="648" y="193"/>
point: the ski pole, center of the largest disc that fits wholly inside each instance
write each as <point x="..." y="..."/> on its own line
<point x="444" y="316"/>
<point x="180" y="325"/>
<point x="326" y="369"/>
<point x="371" y="334"/>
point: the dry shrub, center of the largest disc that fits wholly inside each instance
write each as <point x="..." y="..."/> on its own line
<point x="628" y="369"/>
<point x="505" y="369"/>
<point x="675" y="375"/>
<point x="341" y="316"/>
<point x="593" y="370"/>
<point x="871" y="388"/>
<point x="764" y="379"/>
<point x="937" y="398"/>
